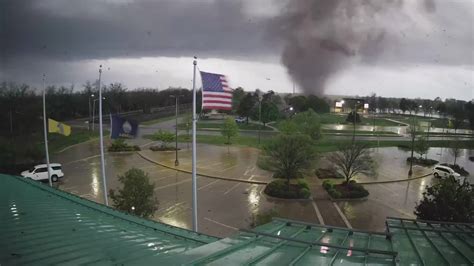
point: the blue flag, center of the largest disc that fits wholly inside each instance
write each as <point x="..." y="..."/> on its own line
<point x="123" y="128"/>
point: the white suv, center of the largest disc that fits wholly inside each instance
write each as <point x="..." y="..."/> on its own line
<point x="444" y="171"/>
<point x="40" y="172"/>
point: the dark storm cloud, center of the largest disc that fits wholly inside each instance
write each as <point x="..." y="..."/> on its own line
<point x="89" y="29"/>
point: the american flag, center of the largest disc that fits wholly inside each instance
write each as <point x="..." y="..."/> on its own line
<point x="216" y="93"/>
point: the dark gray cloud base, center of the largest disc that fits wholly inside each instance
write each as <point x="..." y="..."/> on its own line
<point x="89" y="29"/>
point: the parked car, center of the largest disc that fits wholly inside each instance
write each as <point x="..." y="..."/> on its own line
<point x="40" y="172"/>
<point x="444" y="171"/>
<point x="240" y="120"/>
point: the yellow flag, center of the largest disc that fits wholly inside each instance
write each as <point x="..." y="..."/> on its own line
<point x="57" y="127"/>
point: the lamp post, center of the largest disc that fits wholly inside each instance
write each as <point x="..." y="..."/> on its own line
<point x="90" y="111"/>
<point x="176" y="161"/>
<point x="259" y="117"/>
<point x="93" y="111"/>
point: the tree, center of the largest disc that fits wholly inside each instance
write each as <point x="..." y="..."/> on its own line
<point x="421" y="146"/>
<point x="298" y="103"/>
<point x="458" y="117"/>
<point x="164" y="136"/>
<point x="246" y="105"/>
<point x="447" y="201"/>
<point x="427" y="107"/>
<point x="308" y="123"/>
<point x="351" y="160"/>
<point x="269" y="111"/>
<point x="373" y="103"/>
<point x="237" y="95"/>
<point x="319" y="105"/>
<point x="289" y="156"/>
<point x="353" y="115"/>
<point x="136" y="195"/>
<point x="404" y="105"/>
<point x="470" y="113"/>
<point x="229" y="129"/>
<point x="455" y="149"/>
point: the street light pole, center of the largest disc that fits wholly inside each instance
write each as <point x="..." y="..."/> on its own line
<point x="176" y="161"/>
<point x="259" y="117"/>
<point x="90" y="111"/>
<point x="101" y="137"/>
<point x="194" y="178"/>
<point x="45" y="126"/>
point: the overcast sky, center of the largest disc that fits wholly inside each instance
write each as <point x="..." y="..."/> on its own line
<point x="425" y="47"/>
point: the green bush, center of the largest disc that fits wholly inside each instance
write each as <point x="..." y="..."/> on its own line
<point x="302" y="183"/>
<point x="280" y="189"/>
<point x="350" y="190"/>
<point x="305" y="193"/>
<point x="328" y="184"/>
<point x="120" y="145"/>
<point x="334" y="193"/>
<point x="422" y="161"/>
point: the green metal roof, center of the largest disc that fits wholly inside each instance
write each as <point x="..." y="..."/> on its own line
<point x="40" y="225"/>
<point x="432" y="243"/>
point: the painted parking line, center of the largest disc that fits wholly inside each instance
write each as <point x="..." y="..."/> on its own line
<point x="318" y="213"/>
<point x="232" y="188"/>
<point x="170" y="207"/>
<point x="236" y="185"/>
<point x="173" y="184"/>
<point x="221" y="224"/>
<point x="205" y="186"/>
<point x="344" y="218"/>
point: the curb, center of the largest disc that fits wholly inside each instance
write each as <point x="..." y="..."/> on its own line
<point x="256" y="182"/>
<point x="394" y="181"/>
<point x="262" y="193"/>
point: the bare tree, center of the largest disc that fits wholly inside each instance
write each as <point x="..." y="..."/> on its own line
<point x="352" y="159"/>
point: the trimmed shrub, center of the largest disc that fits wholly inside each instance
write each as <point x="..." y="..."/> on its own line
<point x="280" y="189"/>
<point x="328" y="184"/>
<point x="422" y="161"/>
<point x="350" y="190"/>
<point x="119" y="145"/>
<point x="302" y="183"/>
<point x="162" y="148"/>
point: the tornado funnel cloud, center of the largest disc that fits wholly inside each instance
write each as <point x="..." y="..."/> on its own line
<point x="322" y="37"/>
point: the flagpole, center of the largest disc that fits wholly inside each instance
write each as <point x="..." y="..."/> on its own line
<point x="194" y="181"/>
<point x="45" y="125"/>
<point x="101" y="136"/>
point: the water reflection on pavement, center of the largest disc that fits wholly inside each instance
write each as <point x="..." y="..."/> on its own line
<point x="396" y="199"/>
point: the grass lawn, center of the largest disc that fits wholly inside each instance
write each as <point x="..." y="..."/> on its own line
<point x="218" y="125"/>
<point x="323" y="145"/>
<point x="360" y="132"/>
<point x="159" y="120"/>
<point x="57" y="142"/>
<point x="435" y="122"/>
<point x="331" y="118"/>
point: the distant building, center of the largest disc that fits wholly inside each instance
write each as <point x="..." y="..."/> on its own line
<point x="346" y="105"/>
